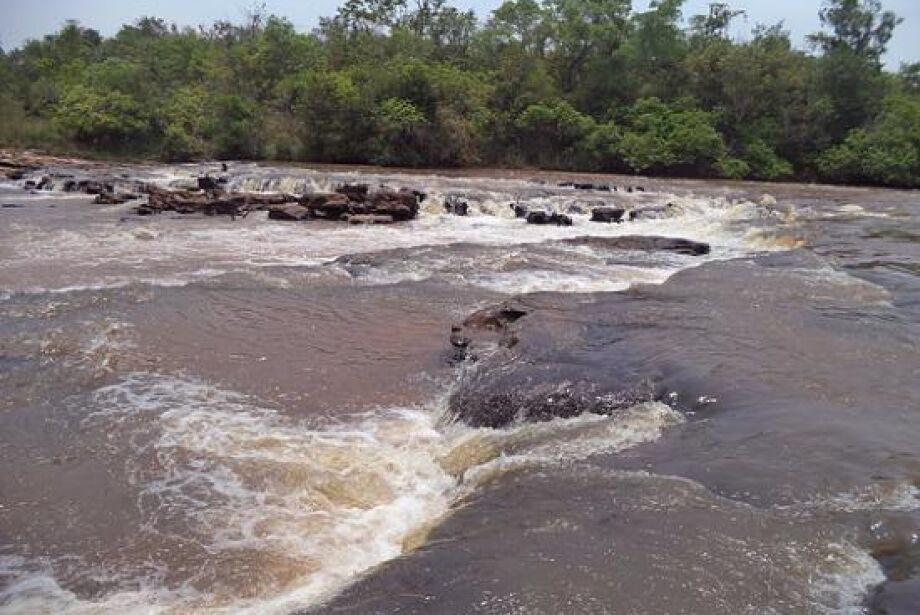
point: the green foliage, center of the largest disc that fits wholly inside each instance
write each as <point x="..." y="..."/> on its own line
<point x="887" y="152"/>
<point x="577" y="84"/>
<point x="732" y="168"/>
<point x="551" y="131"/>
<point x="661" y="137"/>
<point x="764" y="163"/>
<point x="106" y="118"/>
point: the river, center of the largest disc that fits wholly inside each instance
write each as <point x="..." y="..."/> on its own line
<point x="200" y="414"/>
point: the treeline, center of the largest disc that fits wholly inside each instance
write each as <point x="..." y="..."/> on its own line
<point x="570" y="84"/>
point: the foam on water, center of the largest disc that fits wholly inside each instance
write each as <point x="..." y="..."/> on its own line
<point x="101" y="251"/>
<point x="307" y="506"/>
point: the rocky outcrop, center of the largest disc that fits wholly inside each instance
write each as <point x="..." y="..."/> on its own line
<point x="607" y="214"/>
<point x="207" y="202"/>
<point x="400" y="205"/>
<point x="355" y="204"/>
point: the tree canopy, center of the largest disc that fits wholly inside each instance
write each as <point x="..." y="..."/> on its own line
<point x="568" y="84"/>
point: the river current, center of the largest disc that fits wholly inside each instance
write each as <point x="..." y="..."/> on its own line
<point x="200" y="414"/>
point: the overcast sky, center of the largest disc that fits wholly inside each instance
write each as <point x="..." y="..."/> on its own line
<point x="21" y="20"/>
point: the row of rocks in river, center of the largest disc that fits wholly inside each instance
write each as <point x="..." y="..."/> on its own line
<point x="600" y="187"/>
<point x="604" y="213"/>
<point x="353" y="203"/>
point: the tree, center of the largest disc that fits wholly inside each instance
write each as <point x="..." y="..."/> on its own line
<point x="887" y="152"/>
<point x="860" y="26"/>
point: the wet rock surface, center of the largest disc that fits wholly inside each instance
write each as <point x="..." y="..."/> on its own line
<point x="646" y="243"/>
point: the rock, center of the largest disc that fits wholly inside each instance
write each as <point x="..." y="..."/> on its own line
<point x="575" y="208"/>
<point x="224" y="167"/>
<point x="93" y="186"/>
<point x="566" y="184"/>
<point x="561" y="220"/>
<point x="206" y="182"/>
<point x="29" y="185"/>
<point x="540" y="402"/>
<point x="607" y="214"/>
<point x="457" y="338"/>
<point x="650" y="212"/>
<point x="644" y="243"/>
<point x="368" y="219"/>
<point x="330" y="206"/>
<point x="767" y="200"/>
<point x="355" y="192"/>
<point x="484" y="331"/>
<point x="108" y="198"/>
<point x="585" y="186"/>
<point x="545" y="217"/>
<point x="288" y="211"/>
<point x="496" y="318"/>
<point x="539" y="217"/>
<point x="12" y="205"/>
<point x="456" y="206"/>
<point x="520" y="210"/>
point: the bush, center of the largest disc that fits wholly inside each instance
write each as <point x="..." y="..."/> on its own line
<point x="102" y="118"/>
<point x="670" y="138"/>
<point x="764" y="162"/>
<point x="550" y="132"/>
<point x="732" y="168"/>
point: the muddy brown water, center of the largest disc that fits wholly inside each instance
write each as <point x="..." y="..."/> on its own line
<point x="200" y="415"/>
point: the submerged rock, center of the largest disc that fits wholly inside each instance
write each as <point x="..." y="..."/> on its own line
<point x="368" y="219"/>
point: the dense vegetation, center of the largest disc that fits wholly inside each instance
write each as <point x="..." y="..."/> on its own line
<point x="572" y="84"/>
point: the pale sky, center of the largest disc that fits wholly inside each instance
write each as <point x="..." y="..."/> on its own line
<point x="21" y="20"/>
